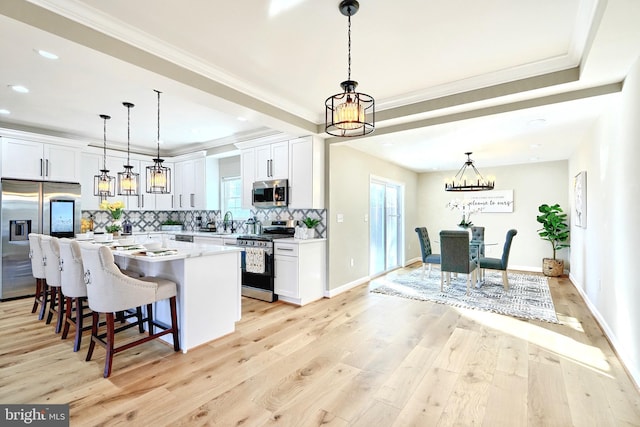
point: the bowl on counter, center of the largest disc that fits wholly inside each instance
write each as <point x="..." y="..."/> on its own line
<point x="153" y="246"/>
<point x="127" y="241"/>
<point x="85" y="236"/>
<point x="103" y="237"/>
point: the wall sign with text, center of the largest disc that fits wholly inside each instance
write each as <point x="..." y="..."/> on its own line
<point x="492" y="201"/>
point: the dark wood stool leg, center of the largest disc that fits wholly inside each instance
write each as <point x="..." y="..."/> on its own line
<point x="61" y="310"/>
<point x="53" y="304"/>
<point x="174" y="323"/>
<point x="38" y="298"/>
<point x="140" y="319"/>
<point x="110" y="337"/>
<point x="46" y="297"/>
<point x="94" y="334"/>
<point x="68" y="311"/>
<point x="79" y="316"/>
<point x="150" y="318"/>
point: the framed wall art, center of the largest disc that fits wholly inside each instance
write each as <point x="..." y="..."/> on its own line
<point x="580" y="200"/>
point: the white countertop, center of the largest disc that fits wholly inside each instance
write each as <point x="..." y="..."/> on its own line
<point x="183" y="250"/>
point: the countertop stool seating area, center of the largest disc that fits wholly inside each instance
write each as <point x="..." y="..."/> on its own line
<point x="37" y="268"/>
<point x="51" y="251"/>
<point x="455" y="257"/>
<point x="428" y="258"/>
<point x="74" y="290"/>
<point x="109" y="291"/>
<point x="499" y="263"/>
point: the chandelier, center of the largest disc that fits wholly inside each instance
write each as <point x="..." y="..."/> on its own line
<point x="104" y="185"/>
<point x="158" y="176"/>
<point x="349" y="113"/>
<point x="128" y="180"/>
<point x="469" y="179"/>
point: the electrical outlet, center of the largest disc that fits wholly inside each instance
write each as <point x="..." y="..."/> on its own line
<point x="351" y="262"/>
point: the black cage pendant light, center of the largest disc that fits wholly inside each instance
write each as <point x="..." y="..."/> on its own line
<point x="349" y="113"/>
<point x="469" y="179"/>
<point x="104" y="185"/>
<point x="128" y="180"/>
<point x="158" y="176"/>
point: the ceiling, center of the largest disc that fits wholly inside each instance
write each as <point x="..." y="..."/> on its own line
<point x="490" y="77"/>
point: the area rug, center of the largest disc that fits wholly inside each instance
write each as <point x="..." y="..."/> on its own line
<point x="528" y="296"/>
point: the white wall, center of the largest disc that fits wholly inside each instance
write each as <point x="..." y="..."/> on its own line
<point x="604" y="255"/>
<point x="532" y="184"/>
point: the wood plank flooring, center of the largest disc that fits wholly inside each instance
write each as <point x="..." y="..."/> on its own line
<point x="358" y="359"/>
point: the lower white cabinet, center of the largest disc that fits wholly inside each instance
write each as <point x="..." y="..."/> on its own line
<point x="300" y="270"/>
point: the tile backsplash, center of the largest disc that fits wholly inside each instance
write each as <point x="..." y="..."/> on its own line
<point x="193" y="220"/>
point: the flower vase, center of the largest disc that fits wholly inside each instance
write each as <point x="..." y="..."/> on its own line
<point x="118" y="223"/>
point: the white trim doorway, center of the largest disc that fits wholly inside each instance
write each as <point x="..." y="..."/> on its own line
<point x="386" y="225"/>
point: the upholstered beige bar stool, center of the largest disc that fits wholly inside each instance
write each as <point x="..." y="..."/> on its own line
<point x="51" y="252"/>
<point x="110" y="291"/>
<point x="37" y="268"/>
<point x="74" y="290"/>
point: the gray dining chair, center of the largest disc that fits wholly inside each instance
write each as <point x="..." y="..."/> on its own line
<point x="499" y="263"/>
<point x="476" y="246"/>
<point x="428" y="258"/>
<point x="455" y="257"/>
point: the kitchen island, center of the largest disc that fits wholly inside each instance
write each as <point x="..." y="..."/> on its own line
<point x="208" y="279"/>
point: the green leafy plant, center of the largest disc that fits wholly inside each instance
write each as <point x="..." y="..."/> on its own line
<point x="554" y="226"/>
<point x="112" y="228"/>
<point x="171" y="222"/>
<point x="310" y="222"/>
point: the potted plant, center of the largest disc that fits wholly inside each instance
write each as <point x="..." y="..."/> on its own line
<point x="555" y="230"/>
<point x="171" y="225"/>
<point x="310" y="223"/>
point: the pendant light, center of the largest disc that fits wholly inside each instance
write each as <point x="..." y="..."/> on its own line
<point x="128" y="180"/>
<point x="469" y="179"/>
<point x="158" y="176"/>
<point x="349" y="113"/>
<point x="104" y="185"/>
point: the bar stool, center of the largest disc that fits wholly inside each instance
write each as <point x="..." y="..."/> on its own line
<point x="74" y="290"/>
<point x="51" y="251"/>
<point x="37" y="268"/>
<point x="110" y="291"/>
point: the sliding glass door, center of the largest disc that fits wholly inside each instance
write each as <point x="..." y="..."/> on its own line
<point x="386" y="236"/>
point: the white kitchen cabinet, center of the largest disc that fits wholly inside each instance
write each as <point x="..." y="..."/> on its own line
<point x="115" y="164"/>
<point x="40" y="161"/>
<point x="248" y="176"/>
<point x="272" y="161"/>
<point x="306" y="173"/>
<point x="206" y="240"/>
<point x="90" y="165"/>
<point x="190" y="184"/>
<point x="300" y="270"/>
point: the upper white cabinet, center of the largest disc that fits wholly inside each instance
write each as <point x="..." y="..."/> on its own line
<point x="272" y="161"/>
<point x="306" y="173"/>
<point x="190" y="184"/>
<point x="248" y="176"/>
<point x="40" y="161"/>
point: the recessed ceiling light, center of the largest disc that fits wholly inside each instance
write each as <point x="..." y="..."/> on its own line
<point x="20" y="89"/>
<point x="242" y="119"/>
<point x="4" y="111"/>
<point x="535" y="146"/>
<point x="537" y="122"/>
<point x="534" y="159"/>
<point x="46" y="54"/>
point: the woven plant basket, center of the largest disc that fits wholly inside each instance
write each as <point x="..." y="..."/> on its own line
<point x="552" y="267"/>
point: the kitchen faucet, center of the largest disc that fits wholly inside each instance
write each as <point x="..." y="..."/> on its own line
<point x="228" y="219"/>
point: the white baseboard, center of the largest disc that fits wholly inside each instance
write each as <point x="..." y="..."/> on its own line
<point x="624" y="357"/>
<point x="344" y="288"/>
<point x="412" y="260"/>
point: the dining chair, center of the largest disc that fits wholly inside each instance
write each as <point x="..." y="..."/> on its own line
<point x="455" y="257"/>
<point x="37" y="269"/>
<point x="476" y="245"/>
<point x="428" y="258"/>
<point x="109" y="291"/>
<point x="499" y="263"/>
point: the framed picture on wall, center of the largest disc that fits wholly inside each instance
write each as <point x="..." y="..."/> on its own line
<point x="580" y="200"/>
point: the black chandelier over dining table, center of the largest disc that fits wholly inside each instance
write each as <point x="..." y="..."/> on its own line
<point x="469" y="178"/>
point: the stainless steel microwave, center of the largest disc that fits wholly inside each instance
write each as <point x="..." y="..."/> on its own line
<point x="269" y="194"/>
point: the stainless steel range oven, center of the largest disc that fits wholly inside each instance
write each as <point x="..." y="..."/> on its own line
<point x="258" y="261"/>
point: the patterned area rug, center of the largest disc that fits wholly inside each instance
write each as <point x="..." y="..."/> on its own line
<point x="528" y="296"/>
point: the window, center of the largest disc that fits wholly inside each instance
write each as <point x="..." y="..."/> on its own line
<point x="231" y="194"/>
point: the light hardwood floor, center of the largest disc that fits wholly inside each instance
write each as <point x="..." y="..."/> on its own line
<point x="358" y="359"/>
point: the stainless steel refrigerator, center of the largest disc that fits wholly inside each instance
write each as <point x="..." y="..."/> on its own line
<point x="45" y="207"/>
